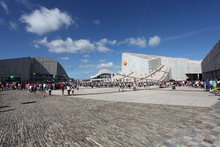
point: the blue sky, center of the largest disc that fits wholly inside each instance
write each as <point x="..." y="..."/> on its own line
<point x="88" y="35"/>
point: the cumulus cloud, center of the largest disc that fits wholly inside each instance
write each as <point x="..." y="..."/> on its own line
<point x="13" y="25"/>
<point x="101" y="44"/>
<point x="86" y="56"/>
<point x="86" y="46"/>
<point x="84" y="60"/>
<point x="96" y="21"/>
<point x="65" y="58"/>
<point x="75" y="46"/>
<point x="154" y="41"/>
<point x="45" y="20"/>
<point x="108" y="65"/>
<point x="4" y="6"/>
<point x="67" y="46"/>
<point x="139" y="42"/>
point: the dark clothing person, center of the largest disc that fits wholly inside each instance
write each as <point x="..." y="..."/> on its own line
<point x="50" y="89"/>
<point x="207" y="85"/>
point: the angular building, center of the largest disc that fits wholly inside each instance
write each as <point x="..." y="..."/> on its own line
<point x="211" y="64"/>
<point x="32" y="69"/>
<point x="158" y="68"/>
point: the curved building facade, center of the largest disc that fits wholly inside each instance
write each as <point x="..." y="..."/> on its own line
<point x="32" y="69"/>
<point x="102" y="75"/>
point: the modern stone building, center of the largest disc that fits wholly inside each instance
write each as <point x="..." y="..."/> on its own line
<point x="102" y="75"/>
<point x="158" y="68"/>
<point x="211" y="63"/>
<point x="32" y="69"/>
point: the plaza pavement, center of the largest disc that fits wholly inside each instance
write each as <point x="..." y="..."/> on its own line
<point x="184" y="96"/>
<point x="30" y="119"/>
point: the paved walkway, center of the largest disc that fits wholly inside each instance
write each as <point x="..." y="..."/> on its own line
<point x="29" y="119"/>
<point x="184" y="96"/>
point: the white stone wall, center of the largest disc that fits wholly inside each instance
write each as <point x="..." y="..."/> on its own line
<point x="195" y="66"/>
<point x="179" y="67"/>
<point x="135" y="64"/>
<point x="154" y="64"/>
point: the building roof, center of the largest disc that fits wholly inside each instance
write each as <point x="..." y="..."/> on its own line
<point x="150" y="57"/>
<point x="102" y="71"/>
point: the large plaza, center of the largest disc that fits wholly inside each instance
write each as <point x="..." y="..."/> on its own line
<point x="183" y="96"/>
<point x="104" y="117"/>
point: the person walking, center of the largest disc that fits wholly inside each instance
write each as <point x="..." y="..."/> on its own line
<point x="68" y="89"/>
<point x="207" y="85"/>
<point x="50" y="89"/>
<point x="62" y="86"/>
<point x="72" y="89"/>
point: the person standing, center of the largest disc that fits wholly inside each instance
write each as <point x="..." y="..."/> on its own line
<point x="62" y="86"/>
<point x="1" y="86"/>
<point x="207" y="85"/>
<point x="68" y="89"/>
<point x="50" y="89"/>
<point x="214" y="84"/>
<point x="72" y="89"/>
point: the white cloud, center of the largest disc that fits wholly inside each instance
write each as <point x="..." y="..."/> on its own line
<point x="86" y="46"/>
<point x="75" y="46"/>
<point x="102" y="60"/>
<point x="108" y="65"/>
<point x="139" y="42"/>
<point x="36" y="46"/>
<point x="13" y="25"/>
<point x="4" y="6"/>
<point x="65" y="58"/>
<point x="45" y="20"/>
<point x="86" y="56"/>
<point x="96" y="21"/>
<point x="67" y="46"/>
<point x="84" y="60"/>
<point x="101" y="44"/>
<point x="154" y="41"/>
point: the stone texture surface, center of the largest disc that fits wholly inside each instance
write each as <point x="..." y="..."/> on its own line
<point x="29" y="119"/>
<point x="184" y="96"/>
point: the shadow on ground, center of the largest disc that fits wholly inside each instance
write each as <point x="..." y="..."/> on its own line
<point x="6" y="110"/>
<point x="31" y="102"/>
<point x="3" y="107"/>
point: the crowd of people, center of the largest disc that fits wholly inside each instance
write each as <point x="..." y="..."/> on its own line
<point x="34" y="87"/>
<point x="209" y="85"/>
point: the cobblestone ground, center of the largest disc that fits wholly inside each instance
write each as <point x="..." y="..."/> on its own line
<point x="28" y="119"/>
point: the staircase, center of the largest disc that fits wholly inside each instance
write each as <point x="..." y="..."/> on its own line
<point x="160" y="74"/>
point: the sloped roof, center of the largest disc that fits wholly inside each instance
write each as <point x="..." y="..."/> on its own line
<point x="102" y="71"/>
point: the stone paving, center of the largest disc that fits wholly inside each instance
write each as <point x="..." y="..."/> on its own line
<point x="184" y="96"/>
<point x="29" y="119"/>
